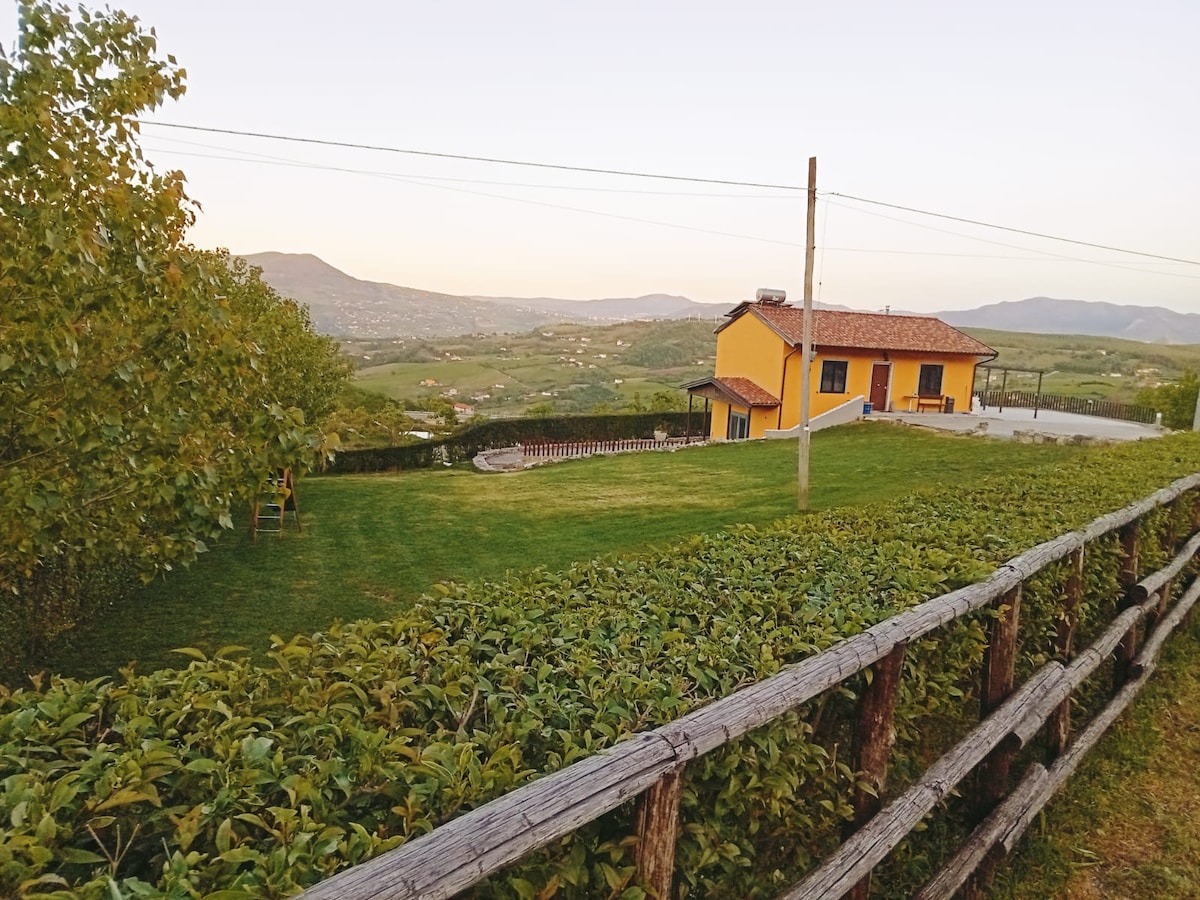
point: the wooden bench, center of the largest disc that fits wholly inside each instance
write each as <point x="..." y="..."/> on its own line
<point x="935" y="402"/>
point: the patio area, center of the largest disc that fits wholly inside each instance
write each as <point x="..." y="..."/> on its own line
<point x="1014" y="421"/>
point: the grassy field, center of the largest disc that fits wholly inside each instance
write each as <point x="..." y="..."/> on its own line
<point x="571" y="367"/>
<point x="371" y="544"/>
<point x="1126" y="826"/>
<point x="575" y="367"/>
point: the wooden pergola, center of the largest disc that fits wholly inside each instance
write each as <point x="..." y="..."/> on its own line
<point x="1004" y="370"/>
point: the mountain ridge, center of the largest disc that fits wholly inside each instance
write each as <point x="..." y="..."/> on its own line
<point x="1097" y="318"/>
<point x="343" y="305"/>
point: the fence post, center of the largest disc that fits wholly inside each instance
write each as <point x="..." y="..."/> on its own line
<point x="1059" y="731"/>
<point x="873" y="739"/>
<point x="1169" y="544"/>
<point x="1195" y="523"/>
<point x="999" y="669"/>
<point x="999" y="672"/>
<point x="657" y="823"/>
<point x="1127" y="649"/>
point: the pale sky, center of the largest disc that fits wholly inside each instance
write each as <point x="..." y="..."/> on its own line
<point x="1076" y="119"/>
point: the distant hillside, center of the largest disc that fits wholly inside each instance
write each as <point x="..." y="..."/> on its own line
<point x="1045" y="315"/>
<point x="343" y="305"/>
<point x="622" y="309"/>
<point x="347" y="306"/>
<point x="573" y="368"/>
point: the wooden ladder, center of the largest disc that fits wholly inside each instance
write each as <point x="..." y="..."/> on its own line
<point x="276" y="497"/>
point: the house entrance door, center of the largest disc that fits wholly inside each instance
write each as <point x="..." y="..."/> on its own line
<point x="880" y="374"/>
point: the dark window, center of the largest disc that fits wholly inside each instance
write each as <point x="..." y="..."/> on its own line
<point x="930" y="381"/>
<point x="833" y="376"/>
<point x="739" y="425"/>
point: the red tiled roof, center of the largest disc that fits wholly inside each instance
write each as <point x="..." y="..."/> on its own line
<point x="742" y="391"/>
<point x="872" y="331"/>
<point x="749" y="391"/>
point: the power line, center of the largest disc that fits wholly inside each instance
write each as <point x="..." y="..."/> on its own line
<point x="1041" y="258"/>
<point x="265" y="158"/>
<point x="1037" y="234"/>
<point x="691" y="179"/>
<point x="424" y="181"/>
<point x="821" y="263"/>
<point x="561" y="206"/>
<point x="464" y="157"/>
<point x="1045" y="253"/>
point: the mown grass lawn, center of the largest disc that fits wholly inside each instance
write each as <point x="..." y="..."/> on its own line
<point x="1128" y="823"/>
<point x="371" y="544"/>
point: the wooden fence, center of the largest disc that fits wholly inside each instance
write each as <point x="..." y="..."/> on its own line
<point x="478" y="843"/>
<point x="573" y="449"/>
<point x="1107" y="409"/>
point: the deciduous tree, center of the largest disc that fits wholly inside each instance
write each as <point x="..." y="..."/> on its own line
<point x="137" y="403"/>
<point x="297" y="367"/>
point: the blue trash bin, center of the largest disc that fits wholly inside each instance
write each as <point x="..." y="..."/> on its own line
<point x="866" y="409"/>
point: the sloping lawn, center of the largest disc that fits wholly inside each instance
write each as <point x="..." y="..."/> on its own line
<point x="371" y="544"/>
<point x="1126" y="824"/>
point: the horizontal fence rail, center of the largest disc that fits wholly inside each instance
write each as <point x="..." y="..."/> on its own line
<point x="471" y="847"/>
<point x="1106" y="409"/>
<point x="570" y="449"/>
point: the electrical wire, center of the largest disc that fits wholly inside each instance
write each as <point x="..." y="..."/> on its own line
<point x="546" y="205"/>
<point x="418" y="180"/>
<point x="821" y="261"/>
<point x="1027" y="233"/>
<point x="1042" y="258"/>
<point x="464" y="157"/>
<point x="1043" y="253"/>
<point x="251" y="156"/>
<point x="695" y="180"/>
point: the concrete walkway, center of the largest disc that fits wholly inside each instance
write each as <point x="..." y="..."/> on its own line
<point x="507" y="459"/>
<point x="1020" y="422"/>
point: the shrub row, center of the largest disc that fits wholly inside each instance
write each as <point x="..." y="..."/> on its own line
<point x="495" y="433"/>
<point x="228" y="779"/>
<point x="55" y="601"/>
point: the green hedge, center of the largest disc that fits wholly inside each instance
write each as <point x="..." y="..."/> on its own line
<point x="228" y="779"/>
<point x="495" y="433"/>
<point x="53" y="603"/>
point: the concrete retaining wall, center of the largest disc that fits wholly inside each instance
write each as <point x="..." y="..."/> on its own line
<point x="850" y="411"/>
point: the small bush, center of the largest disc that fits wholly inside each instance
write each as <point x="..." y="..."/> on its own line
<point x="1176" y="402"/>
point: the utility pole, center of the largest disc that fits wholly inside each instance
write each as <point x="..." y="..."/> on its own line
<point x="1196" y="416"/>
<point x="806" y="340"/>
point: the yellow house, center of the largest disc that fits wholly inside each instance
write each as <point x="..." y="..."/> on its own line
<point x="893" y="362"/>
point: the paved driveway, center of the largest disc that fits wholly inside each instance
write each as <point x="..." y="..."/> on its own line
<point x="1003" y="424"/>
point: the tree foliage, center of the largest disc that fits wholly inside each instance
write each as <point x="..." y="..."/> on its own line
<point x="1176" y="402"/>
<point x="145" y="386"/>
<point x="362" y="419"/>
<point x="295" y="366"/>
